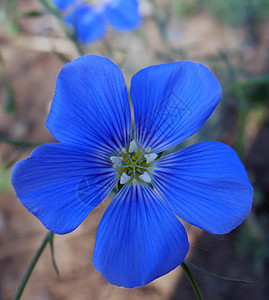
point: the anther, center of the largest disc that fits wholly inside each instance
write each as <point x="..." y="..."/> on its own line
<point x="150" y="157"/>
<point x="116" y="159"/>
<point x="124" y="178"/>
<point x="145" y="177"/>
<point x="133" y="147"/>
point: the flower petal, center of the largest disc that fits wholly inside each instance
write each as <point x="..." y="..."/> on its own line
<point x="61" y="184"/>
<point x="172" y="102"/>
<point x="206" y="185"/>
<point x="88" y="23"/>
<point x="123" y="14"/>
<point x="63" y="4"/>
<point x="138" y="239"/>
<point x="91" y="106"/>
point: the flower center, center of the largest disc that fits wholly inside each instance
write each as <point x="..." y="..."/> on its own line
<point x="134" y="164"/>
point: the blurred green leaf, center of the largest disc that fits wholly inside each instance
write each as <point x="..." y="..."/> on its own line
<point x="185" y="8"/>
<point x="9" y="94"/>
<point x="237" y="12"/>
<point x="256" y="89"/>
<point x="32" y="14"/>
<point x="9" y="18"/>
<point x="5" y="184"/>
<point x="9" y="105"/>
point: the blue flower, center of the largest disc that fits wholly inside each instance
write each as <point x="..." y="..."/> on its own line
<point x="89" y="20"/>
<point x="139" y="237"/>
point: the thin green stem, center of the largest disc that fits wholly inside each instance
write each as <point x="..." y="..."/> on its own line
<point x="32" y="265"/>
<point x="52" y="255"/>
<point x="235" y="280"/>
<point x="243" y="113"/>
<point x="16" y="158"/>
<point x="192" y="281"/>
<point x="20" y="143"/>
<point x="54" y="11"/>
<point x="10" y="105"/>
<point x="162" y="18"/>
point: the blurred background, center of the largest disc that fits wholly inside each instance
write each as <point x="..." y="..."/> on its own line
<point x="232" y="38"/>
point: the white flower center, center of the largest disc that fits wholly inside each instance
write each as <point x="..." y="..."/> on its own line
<point x="134" y="164"/>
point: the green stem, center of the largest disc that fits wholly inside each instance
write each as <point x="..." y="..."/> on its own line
<point x="18" y="142"/>
<point x="32" y="265"/>
<point x="52" y="255"/>
<point x="16" y="158"/>
<point x="162" y="18"/>
<point x="192" y="281"/>
<point x="243" y="113"/>
<point x="218" y="276"/>
<point x="54" y="11"/>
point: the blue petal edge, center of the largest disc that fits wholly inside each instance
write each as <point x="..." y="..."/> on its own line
<point x="206" y="185"/>
<point x="123" y="15"/>
<point x="139" y="238"/>
<point x="87" y="22"/>
<point x="172" y="102"/>
<point x="61" y="184"/>
<point x="90" y="106"/>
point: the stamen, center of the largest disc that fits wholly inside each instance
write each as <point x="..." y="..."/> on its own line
<point x="133" y="147"/>
<point x="125" y="166"/>
<point x="116" y="159"/>
<point x="145" y="177"/>
<point x="139" y="157"/>
<point x="124" y="178"/>
<point x="150" y="157"/>
<point x="142" y="167"/>
<point x="125" y="152"/>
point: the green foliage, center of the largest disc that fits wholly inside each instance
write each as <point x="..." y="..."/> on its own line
<point x="255" y="246"/>
<point x="237" y="12"/>
<point x="231" y="12"/>
<point x="9" y="18"/>
<point x="9" y="104"/>
<point x="5" y="184"/>
<point x="185" y="8"/>
<point x="9" y="95"/>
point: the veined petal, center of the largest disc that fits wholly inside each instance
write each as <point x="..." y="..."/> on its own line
<point x="138" y="239"/>
<point x="206" y="185"/>
<point x="63" y="4"/>
<point x="123" y="14"/>
<point x="172" y="102"/>
<point x="88" y="23"/>
<point x="62" y="184"/>
<point x="90" y="106"/>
